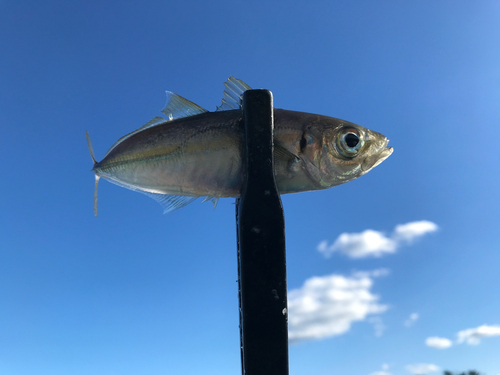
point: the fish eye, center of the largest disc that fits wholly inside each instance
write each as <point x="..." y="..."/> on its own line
<point x="349" y="142"/>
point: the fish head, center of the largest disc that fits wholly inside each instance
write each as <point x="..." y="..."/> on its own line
<point x="344" y="152"/>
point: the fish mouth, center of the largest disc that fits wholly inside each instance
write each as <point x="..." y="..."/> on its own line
<point x="381" y="153"/>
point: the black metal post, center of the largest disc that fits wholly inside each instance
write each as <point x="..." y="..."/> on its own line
<point x="261" y="247"/>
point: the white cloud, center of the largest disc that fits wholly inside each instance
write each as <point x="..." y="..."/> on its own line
<point x="438" y="342"/>
<point x="371" y="243"/>
<point x="408" y="232"/>
<point x="327" y="306"/>
<point x="379" y="272"/>
<point x="385" y="367"/>
<point x="360" y="245"/>
<point x="411" y="319"/>
<point x="473" y="336"/>
<point x="422" y="368"/>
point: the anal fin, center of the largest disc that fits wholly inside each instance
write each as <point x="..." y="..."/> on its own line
<point x="170" y="203"/>
<point x="214" y="200"/>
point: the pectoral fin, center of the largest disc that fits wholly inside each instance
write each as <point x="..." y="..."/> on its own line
<point x="287" y="160"/>
<point x="282" y="154"/>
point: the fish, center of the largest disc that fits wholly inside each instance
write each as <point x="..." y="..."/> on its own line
<point x="195" y="153"/>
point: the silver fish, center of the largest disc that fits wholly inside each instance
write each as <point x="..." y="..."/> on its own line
<point x="195" y="153"/>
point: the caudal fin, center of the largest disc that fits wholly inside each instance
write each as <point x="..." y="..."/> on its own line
<point x="89" y="143"/>
<point x="95" y="194"/>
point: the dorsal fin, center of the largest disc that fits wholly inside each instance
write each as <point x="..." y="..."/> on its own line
<point x="149" y="124"/>
<point x="234" y="89"/>
<point x="178" y="107"/>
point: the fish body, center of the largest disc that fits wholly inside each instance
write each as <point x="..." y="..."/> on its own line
<point x="198" y="153"/>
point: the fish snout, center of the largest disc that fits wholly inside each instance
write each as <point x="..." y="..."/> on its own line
<point x="378" y="154"/>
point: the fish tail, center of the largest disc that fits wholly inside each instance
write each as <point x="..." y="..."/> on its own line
<point x="89" y="143"/>
<point x="95" y="194"/>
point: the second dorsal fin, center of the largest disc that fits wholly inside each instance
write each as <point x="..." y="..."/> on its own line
<point x="178" y="107"/>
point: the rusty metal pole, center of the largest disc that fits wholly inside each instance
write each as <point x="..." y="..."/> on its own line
<point x="261" y="247"/>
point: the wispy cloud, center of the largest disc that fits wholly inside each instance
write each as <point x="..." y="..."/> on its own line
<point x="438" y="342"/>
<point x="473" y="336"/>
<point x="422" y="368"/>
<point x="385" y="367"/>
<point x="372" y="243"/>
<point x="328" y="305"/>
<point x="378" y="325"/>
<point x="411" y="319"/>
<point x="379" y="272"/>
<point x="411" y="231"/>
<point x="360" y="245"/>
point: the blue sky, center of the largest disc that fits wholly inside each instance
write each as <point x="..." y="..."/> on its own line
<point x="137" y="292"/>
